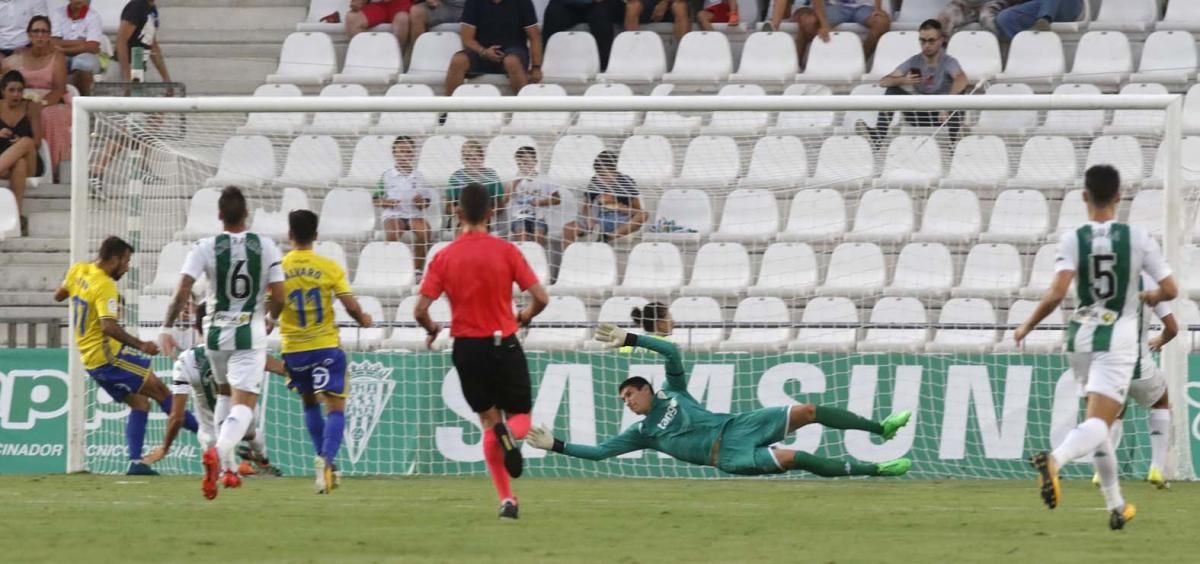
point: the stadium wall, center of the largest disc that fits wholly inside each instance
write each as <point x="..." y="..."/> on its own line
<point x="976" y="415"/>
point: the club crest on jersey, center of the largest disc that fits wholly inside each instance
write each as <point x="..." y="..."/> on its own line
<point x="371" y="387"/>
<point x="252" y="245"/>
<point x="220" y="245"/>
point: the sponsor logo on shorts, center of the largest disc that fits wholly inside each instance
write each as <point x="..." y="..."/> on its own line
<point x="371" y="387"/>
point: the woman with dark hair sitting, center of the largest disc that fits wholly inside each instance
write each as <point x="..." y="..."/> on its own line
<point x="20" y="137"/>
<point x="654" y="318"/>
<point x="45" y="70"/>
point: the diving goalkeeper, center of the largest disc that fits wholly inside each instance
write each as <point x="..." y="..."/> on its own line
<point x="676" y="424"/>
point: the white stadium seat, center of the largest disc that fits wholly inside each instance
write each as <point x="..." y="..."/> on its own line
<point x="1122" y="152"/>
<point x="1168" y="57"/>
<point x="838" y="61"/>
<point x="776" y="162"/>
<point x="1191" y="111"/>
<point x="1047" y="163"/>
<point x="637" y="57"/>
<point x="1041" y="273"/>
<point x="561" y="309"/>
<point x="473" y="123"/>
<point x="894" y="47"/>
<point x="711" y="162"/>
<point x="912" y="161"/>
<point x="312" y="160"/>
<point x="726" y="122"/>
<point x="587" y="269"/>
<point x="306" y="58"/>
<point x="849" y="123"/>
<point x="332" y="251"/>
<point x="534" y="123"/>
<point x="1192" y="279"/>
<point x="883" y="214"/>
<point x="535" y="256"/>
<point x="1018" y="216"/>
<point x="1035" y="57"/>
<point x="1146" y="211"/>
<point x="245" y="161"/>
<point x="965" y="311"/>
<point x="571" y="58"/>
<point x="700" y="57"/>
<point x="804" y="122"/>
<point x="827" y="339"/>
<point x="571" y="163"/>
<point x="1126" y="15"/>
<point x="1190" y="150"/>
<point x="166" y="271"/>
<point x="384" y="269"/>
<point x="752" y="339"/>
<point x="372" y="157"/>
<point x="991" y="270"/>
<point x="1101" y="57"/>
<point x="720" y="270"/>
<point x="896" y="310"/>
<point x="816" y="215"/>
<point x="437" y="158"/>
<point x="371" y="58"/>
<point x="767" y="58"/>
<point x="749" y="216"/>
<point x="410" y="123"/>
<point x="1138" y="122"/>
<point x="1181" y="16"/>
<point x="923" y="270"/>
<point x="347" y="213"/>
<point x="273" y="224"/>
<point x="435" y="249"/>
<point x="683" y="209"/>
<point x="787" y="270"/>
<point x="413" y="338"/>
<point x="844" y="161"/>
<point x="914" y="12"/>
<point x="980" y="162"/>
<point x="1006" y="122"/>
<point x="151" y="311"/>
<point x="605" y="123"/>
<point x="697" y="310"/>
<point x="431" y="58"/>
<point x="951" y="216"/>
<point x="358" y="338"/>
<point x="618" y="311"/>
<point x="648" y="159"/>
<point x="1073" y="122"/>
<point x="1071" y="212"/>
<point x="652" y="270"/>
<point x="978" y="53"/>
<point x="202" y="216"/>
<point x="1038" y="340"/>
<point x="334" y="123"/>
<point x="280" y="123"/>
<point x="855" y="269"/>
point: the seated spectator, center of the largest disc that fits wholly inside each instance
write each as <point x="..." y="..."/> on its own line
<point x="14" y="15"/>
<point x="77" y="34"/>
<point x="931" y="71"/>
<point x="20" y="137"/>
<point x="45" y="72"/>
<point x="825" y="15"/>
<point x="365" y="15"/>
<point x="474" y="171"/>
<point x="531" y="196"/>
<point x="429" y="14"/>
<point x="612" y="207"/>
<point x="959" y="13"/>
<point x="717" y="11"/>
<point x="404" y="195"/>
<point x="673" y="11"/>
<point x="599" y="15"/>
<point x="494" y="33"/>
<point x="139" y="28"/>
<point x="1036" y="15"/>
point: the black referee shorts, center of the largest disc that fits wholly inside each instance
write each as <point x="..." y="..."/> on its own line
<point x="493" y="376"/>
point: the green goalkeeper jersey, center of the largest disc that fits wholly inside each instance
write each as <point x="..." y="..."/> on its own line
<point x="677" y="424"/>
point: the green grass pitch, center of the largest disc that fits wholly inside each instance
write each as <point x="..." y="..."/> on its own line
<point x="134" y="519"/>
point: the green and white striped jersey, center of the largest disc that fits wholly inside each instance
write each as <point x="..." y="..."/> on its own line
<point x="239" y="266"/>
<point x="1146" y="365"/>
<point x="1108" y="260"/>
<point x="193" y="375"/>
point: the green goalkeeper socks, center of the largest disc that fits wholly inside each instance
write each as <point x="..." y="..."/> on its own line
<point x="828" y="468"/>
<point x="842" y="419"/>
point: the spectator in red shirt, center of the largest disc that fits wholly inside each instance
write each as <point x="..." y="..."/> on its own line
<point x="476" y="272"/>
<point x="365" y="14"/>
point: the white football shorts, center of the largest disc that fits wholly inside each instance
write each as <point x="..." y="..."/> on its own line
<point x="1147" y="391"/>
<point x="1106" y="373"/>
<point x="242" y="370"/>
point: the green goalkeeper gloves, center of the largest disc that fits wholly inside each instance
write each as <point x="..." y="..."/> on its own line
<point x="541" y="438"/>
<point x="611" y="335"/>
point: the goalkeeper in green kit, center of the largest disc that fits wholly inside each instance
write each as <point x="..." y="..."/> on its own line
<point x="676" y="424"/>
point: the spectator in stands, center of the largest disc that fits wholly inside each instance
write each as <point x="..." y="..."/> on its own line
<point x="403" y="195"/>
<point x="599" y="15"/>
<point x="139" y="28"/>
<point x="77" y="34"/>
<point x="612" y="206"/>
<point x="959" y="13"/>
<point x="20" y="137"/>
<point x="673" y="11"/>
<point x="14" y="15"/>
<point x="474" y="171"/>
<point x="45" y="72"/>
<point x="824" y="15"/>
<point x="717" y="11"/>
<point x="494" y="33"/>
<point x="429" y="14"/>
<point x="531" y="197"/>
<point x="366" y="14"/>
<point x="931" y="71"/>
<point x="1036" y="15"/>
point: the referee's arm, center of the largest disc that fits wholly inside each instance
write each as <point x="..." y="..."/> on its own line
<point x="540" y="300"/>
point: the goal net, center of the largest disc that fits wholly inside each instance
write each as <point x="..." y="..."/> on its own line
<point x="867" y="252"/>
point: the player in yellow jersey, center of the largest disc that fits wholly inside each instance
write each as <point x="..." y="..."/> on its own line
<point x="116" y="360"/>
<point x="314" y="362"/>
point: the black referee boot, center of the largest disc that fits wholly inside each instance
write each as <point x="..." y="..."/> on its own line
<point x="513" y="461"/>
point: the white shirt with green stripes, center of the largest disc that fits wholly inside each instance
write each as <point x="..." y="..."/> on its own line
<point x="239" y="267"/>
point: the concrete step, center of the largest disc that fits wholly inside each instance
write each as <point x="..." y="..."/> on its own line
<point x="38" y="205"/>
<point x="216" y="76"/>
<point x="233" y="53"/>
<point x="198" y="17"/>
<point x="239" y="4"/>
<point x="20" y="259"/>
<point x="36" y="244"/>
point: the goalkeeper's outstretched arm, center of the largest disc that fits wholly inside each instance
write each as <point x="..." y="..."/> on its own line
<point x="614" y="336"/>
<point x="628" y="441"/>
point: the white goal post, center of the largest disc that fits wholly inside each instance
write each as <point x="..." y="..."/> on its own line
<point x="204" y="123"/>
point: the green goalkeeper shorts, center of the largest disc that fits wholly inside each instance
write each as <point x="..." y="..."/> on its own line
<point x="744" y="443"/>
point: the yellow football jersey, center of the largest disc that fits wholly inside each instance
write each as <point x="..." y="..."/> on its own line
<point x="311" y="283"/>
<point x="93" y="297"/>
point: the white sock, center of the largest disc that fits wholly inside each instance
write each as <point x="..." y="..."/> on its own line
<point x="1115" y="432"/>
<point x="258" y="443"/>
<point x="221" y="411"/>
<point x="1084" y="439"/>
<point x="1105" y="462"/>
<point x="232" y="431"/>
<point x="1160" y="430"/>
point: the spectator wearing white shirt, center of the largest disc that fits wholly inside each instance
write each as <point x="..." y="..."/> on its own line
<point x="531" y="196"/>
<point x="77" y="33"/>
<point x="14" y="16"/>
<point x="403" y="195"/>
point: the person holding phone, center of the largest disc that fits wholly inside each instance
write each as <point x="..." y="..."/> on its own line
<point x="494" y="36"/>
